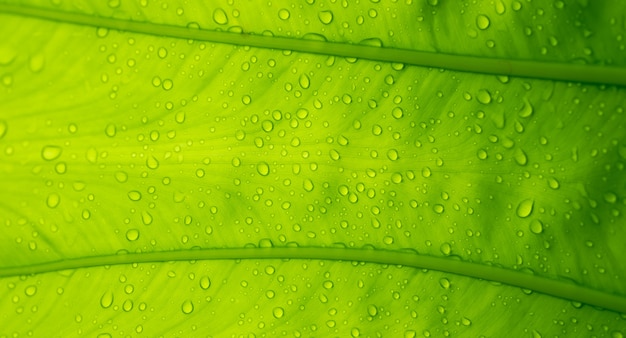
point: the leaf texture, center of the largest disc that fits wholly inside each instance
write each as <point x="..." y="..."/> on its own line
<point x="132" y="164"/>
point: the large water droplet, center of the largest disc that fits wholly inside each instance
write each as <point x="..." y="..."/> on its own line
<point x="106" y="300"/>
<point x="263" y="168"/>
<point x="525" y="208"/>
<point x="326" y="17"/>
<point x="220" y="17"/>
<point x="482" y="22"/>
<point x="50" y="153"/>
<point x="187" y="307"/>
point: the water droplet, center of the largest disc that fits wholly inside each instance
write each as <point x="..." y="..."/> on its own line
<point x="110" y="130"/>
<point x="278" y="312"/>
<point x="267" y="126"/>
<point x="50" y="153"/>
<point x="121" y="176"/>
<point x="200" y="173"/>
<point x="372" y="310"/>
<point x="426" y="172"/>
<point x="304" y="81"/>
<point x="167" y="84"/>
<point x="132" y="235"/>
<point x="36" y="63"/>
<point x="106" y="300"/>
<point x="146" y="218"/>
<point x="610" y="197"/>
<point x="397" y="112"/>
<point x="162" y="52"/>
<point x="187" y="307"/>
<point x="482" y="154"/>
<point x="302" y="113"/>
<point x="328" y="284"/>
<point x="263" y="168"/>
<point x="438" y="208"/>
<point x="152" y="162"/>
<point x="520" y="157"/>
<point x="446" y="248"/>
<point x="482" y="22"/>
<point x="525" y="208"/>
<point x="220" y="17"/>
<point x="527" y="109"/>
<point x="553" y="183"/>
<point x="377" y="130"/>
<point x="60" y="168"/>
<point x="445" y="283"/>
<point x="308" y="185"/>
<point x="392" y="154"/>
<point x="334" y="155"/>
<point x="53" y="200"/>
<point x="396" y="178"/>
<point x="134" y="195"/>
<point x="388" y="240"/>
<point x="536" y="226"/>
<point x="30" y="290"/>
<point x="326" y="17"/>
<point x="205" y="282"/>
<point x="284" y="14"/>
<point x="484" y="96"/>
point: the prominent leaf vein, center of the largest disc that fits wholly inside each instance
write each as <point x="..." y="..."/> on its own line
<point x="465" y="63"/>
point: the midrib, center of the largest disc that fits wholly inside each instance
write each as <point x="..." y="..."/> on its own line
<point x="521" y="68"/>
<point x="524" y="280"/>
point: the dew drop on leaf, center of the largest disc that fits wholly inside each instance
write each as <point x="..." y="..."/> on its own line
<point x="263" y="168"/>
<point x="205" y="282"/>
<point x="152" y="162"/>
<point x="132" y="235"/>
<point x="53" y="200"/>
<point x="326" y="17"/>
<point x="482" y="22"/>
<point x="220" y="17"/>
<point x="278" y="312"/>
<point x="536" y="226"/>
<point x="50" y="153"/>
<point x="134" y="195"/>
<point x="483" y="96"/>
<point x="187" y="307"/>
<point x="372" y="310"/>
<point x="146" y="218"/>
<point x="106" y="300"/>
<point x="525" y="208"/>
<point x="30" y="290"/>
<point x="308" y="185"/>
<point x="284" y="14"/>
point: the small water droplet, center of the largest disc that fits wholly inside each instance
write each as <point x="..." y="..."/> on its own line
<point x="520" y="157"/>
<point x="553" y="183"/>
<point x="187" y="307"/>
<point x="30" y="290"/>
<point x="146" y="218"/>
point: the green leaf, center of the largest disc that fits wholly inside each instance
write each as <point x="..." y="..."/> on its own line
<point x="312" y="169"/>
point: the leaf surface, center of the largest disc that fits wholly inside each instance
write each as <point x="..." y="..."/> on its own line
<point x="161" y="176"/>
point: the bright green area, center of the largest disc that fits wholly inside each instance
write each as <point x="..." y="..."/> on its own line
<point x="171" y="180"/>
